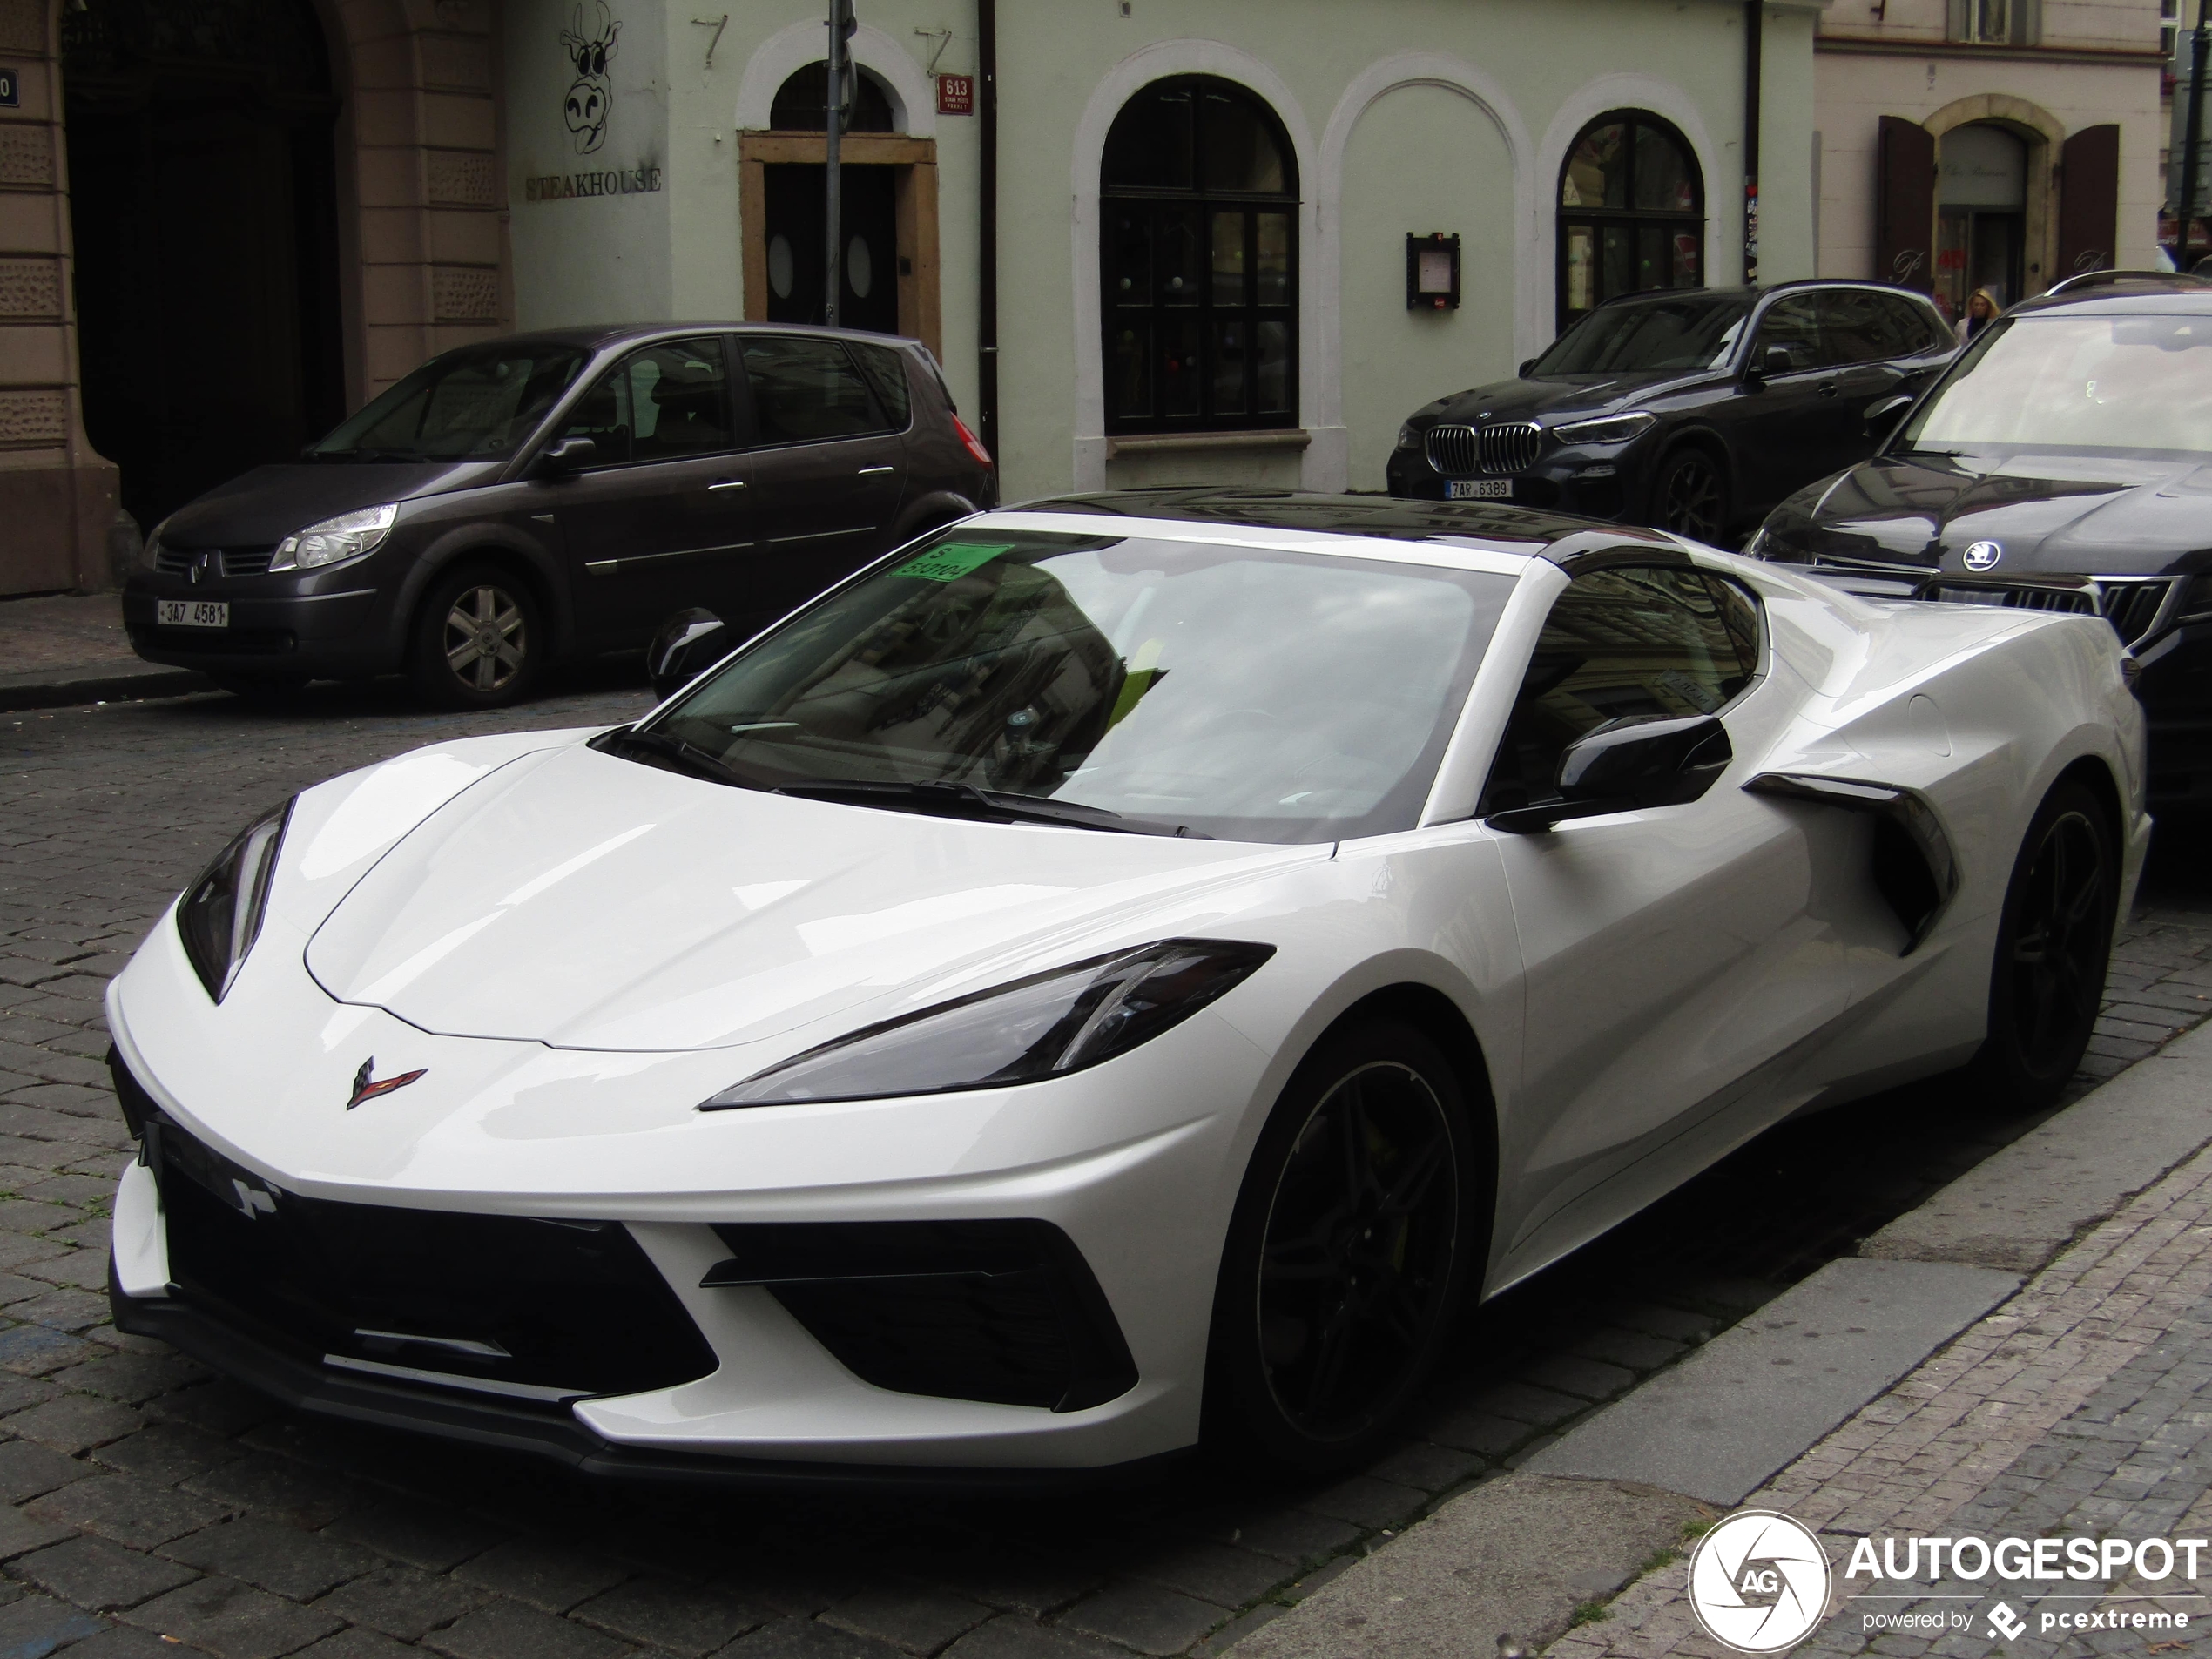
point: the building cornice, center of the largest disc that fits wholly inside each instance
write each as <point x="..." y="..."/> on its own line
<point x="1871" y="46"/>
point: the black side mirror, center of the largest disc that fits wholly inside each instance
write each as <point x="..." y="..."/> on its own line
<point x="1881" y="415"/>
<point x="563" y="456"/>
<point x="1628" y="764"/>
<point x="1774" y="360"/>
<point x="1527" y="363"/>
<point x="684" y="647"/>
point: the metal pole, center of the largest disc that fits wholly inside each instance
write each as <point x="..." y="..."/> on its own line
<point x="2185" y="205"/>
<point x="1754" y="52"/>
<point x="841" y="25"/>
<point x="987" y="94"/>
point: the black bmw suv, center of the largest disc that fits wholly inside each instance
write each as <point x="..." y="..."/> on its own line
<point x="2063" y="463"/>
<point x="1696" y="409"/>
<point x="559" y="495"/>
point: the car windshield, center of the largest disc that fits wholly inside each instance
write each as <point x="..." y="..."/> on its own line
<point x="1682" y="331"/>
<point x="2106" y="385"/>
<point x="1229" y="692"/>
<point x="476" y="403"/>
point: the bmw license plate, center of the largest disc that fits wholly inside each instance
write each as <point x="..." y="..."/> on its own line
<point x="193" y="613"/>
<point x="1479" y="489"/>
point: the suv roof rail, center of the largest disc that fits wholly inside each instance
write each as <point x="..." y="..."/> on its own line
<point x="2105" y="279"/>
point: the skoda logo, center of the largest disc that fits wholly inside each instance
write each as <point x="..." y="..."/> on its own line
<point x="1759" y="1581"/>
<point x="1983" y="555"/>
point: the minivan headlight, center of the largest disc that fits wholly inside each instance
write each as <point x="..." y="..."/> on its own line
<point x="1045" y="1026"/>
<point x="221" y="914"/>
<point x="345" y="537"/>
<point x="1611" y="428"/>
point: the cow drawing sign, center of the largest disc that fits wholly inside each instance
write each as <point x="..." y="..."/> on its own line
<point x="590" y="42"/>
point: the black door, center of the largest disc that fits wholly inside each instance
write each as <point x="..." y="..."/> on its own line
<point x="664" y="517"/>
<point x="1792" y="423"/>
<point x="828" y="470"/>
<point x="868" y="281"/>
<point x="202" y="187"/>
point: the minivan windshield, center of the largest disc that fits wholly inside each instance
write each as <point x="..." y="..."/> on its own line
<point x="478" y="402"/>
<point x="1645" y="337"/>
<point x="1238" y="693"/>
<point x="2104" y="385"/>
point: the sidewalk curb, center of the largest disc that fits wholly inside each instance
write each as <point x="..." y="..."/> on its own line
<point x="1489" y="1561"/>
<point x="61" y="688"/>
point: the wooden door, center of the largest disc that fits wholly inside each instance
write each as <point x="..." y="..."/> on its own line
<point x="1904" y="166"/>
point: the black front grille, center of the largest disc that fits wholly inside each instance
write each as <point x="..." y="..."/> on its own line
<point x="1451" y="449"/>
<point x="2130" y="606"/>
<point x="1001" y="1311"/>
<point x="1507" y="447"/>
<point x="536" y="1311"/>
<point x="220" y="560"/>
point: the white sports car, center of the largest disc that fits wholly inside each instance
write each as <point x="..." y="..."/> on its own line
<point x="1113" y="976"/>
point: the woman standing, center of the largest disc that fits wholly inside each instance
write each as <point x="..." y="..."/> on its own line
<point x="1982" y="309"/>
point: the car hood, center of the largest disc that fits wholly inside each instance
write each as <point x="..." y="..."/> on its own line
<point x="2048" y="514"/>
<point x="259" y="507"/>
<point x="1527" y="400"/>
<point x="585" y="902"/>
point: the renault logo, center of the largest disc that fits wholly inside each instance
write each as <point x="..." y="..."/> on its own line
<point x="1983" y="555"/>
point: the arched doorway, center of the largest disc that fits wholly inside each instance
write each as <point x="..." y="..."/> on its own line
<point x="1981" y="214"/>
<point x="203" y="198"/>
<point x="867" y="212"/>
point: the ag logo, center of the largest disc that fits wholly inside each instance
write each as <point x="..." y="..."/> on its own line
<point x="1983" y="555"/>
<point x="1758" y="1581"/>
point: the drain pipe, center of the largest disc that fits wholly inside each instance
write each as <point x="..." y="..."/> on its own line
<point x="987" y="283"/>
<point x="1754" y="50"/>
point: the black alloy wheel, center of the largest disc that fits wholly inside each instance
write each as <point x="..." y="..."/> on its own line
<point x="2053" y="944"/>
<point x="477" y="641"/>
<point x="1357" y="1226"/>
<point x="1691" y="497"/>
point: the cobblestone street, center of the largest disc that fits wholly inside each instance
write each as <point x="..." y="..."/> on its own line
<point x="150" y="1505"/>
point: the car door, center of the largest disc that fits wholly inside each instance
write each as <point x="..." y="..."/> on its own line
<point x="1869" y="340"/>
<point x="1787" y="419"/>
<point x="828" y="466"/>
<point x="662" y="516"/>
<point x="1669" y="954"/>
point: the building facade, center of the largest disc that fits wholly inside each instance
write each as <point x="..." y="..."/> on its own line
<point x="1988" y="143"/>
<point x="1234" y="239"/>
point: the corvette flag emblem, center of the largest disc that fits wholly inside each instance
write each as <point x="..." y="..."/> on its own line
<point x="364" y="1090"/>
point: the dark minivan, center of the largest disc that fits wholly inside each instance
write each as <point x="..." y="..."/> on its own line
<point x="1692" y="409"/>
<point x="556" y="496"/>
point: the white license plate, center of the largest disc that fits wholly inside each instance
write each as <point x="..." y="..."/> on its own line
<point x="193" y="613"/>
<point x="1479" y="489"/>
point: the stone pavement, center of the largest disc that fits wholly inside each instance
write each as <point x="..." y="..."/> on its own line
<point x="2080" y="1407"/>
<point x="144" y="1505"/>
<point x="70" y="648"/>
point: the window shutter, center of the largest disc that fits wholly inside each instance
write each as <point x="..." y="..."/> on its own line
<point x="2089" y="202"/>
<point x="2027" y="22"/>
<point x="1905" y="204"/>
<point x="1959" y="26"/>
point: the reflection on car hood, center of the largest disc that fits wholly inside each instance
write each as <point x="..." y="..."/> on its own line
<point x="590" y="902"/>
<point x="266" y="505"/>
<point x="1526" y="400"/>
<point x="2054" y="515"/>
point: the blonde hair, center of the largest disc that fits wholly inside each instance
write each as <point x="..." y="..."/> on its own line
<point x="1995" y="310"/>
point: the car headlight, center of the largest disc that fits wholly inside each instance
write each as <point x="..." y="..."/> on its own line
<point x="220" y="916"/>
<point x="1045" y="1026"/>
<point x="1611" y="428"/>
<point x="150" y="553"/>
<point x="1407" y="438"/>
<point x="345" y="537"/>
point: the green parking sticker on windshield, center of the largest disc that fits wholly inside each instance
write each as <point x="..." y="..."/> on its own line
<point x="949" y="561"/>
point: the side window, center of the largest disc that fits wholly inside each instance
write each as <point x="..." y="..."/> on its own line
<point x="1792" y="323"/>
<point x="661" y="403"/>
<point x="1656" y="642"/>
<point x="1919" y="329"/>
<point x="805" y="390"/>
<point x="887" y="373"/>
<point x="1860" y="327"/>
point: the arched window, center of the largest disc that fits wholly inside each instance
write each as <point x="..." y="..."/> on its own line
<point x="1198" y="252"/>
<point x="801" y="103"/>
<point x="1631" y="213"/>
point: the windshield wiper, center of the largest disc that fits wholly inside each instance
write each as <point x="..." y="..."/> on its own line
<point x="966" y="800"/>
<point x="686" y="757"/>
